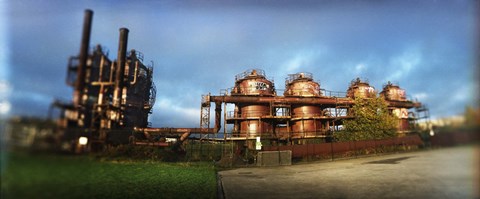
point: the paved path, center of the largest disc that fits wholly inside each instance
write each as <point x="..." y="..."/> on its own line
<point x="441" y="173"/>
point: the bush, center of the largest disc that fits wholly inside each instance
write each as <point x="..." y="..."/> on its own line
<point x="371" y="120"/>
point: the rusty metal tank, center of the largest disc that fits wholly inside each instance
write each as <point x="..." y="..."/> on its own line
<point x="403" y="118"/>
<point x="306" y="121"/>
<point x="393" y="92"/>
<point x="361" y="89"/>
<point x="253" y="125"/>
<point x="253" y="82"/>
<point x="305" y="118"/>
<point x="301" y="84"/>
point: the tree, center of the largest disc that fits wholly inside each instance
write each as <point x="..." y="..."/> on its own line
<point x="472" y="116"/>
<point x="371" y="120"/>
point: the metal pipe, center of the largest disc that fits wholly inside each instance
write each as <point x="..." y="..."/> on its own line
<point x="325" y="101"/>
<point x="112" y="66"/>
<point x="175" y="131"/>
<point x="135" y="73"/>
<point x="83" y="56"/>
<point x="120" y="71"/>
<point x="218" y="116"/>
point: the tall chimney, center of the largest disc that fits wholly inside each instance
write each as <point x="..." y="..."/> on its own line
<point x="83" y="56"/>
<point x="120" y="71"/>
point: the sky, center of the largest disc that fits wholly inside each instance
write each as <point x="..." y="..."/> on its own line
<point x="197" y="47"/>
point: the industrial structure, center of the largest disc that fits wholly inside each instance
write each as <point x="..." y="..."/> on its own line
<point x="305" y="111"/>
<point x="107" y="94"/>
<point x="113" y="99"/>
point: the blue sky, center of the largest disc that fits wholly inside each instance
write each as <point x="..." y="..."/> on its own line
<point x="428" y="47"/>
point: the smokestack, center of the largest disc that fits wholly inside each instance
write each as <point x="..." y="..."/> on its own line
<point x="83" y="56"/>
<point x="120" y="71"/>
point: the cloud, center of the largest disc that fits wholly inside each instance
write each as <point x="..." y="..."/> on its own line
<point x="302" y="59"/>
<point x="5" y="107"/>
<point x="5" y="91"/>
<point x="35" y="97"/>
<point x="420" y="96"/>
<point x="199" y="49"/>
<point x="177" y="115"/>
<point x="29" y="103"/>
<point x="360" y="68"/>
<point x="461" y="94"/>
<point x="404" y="63"/>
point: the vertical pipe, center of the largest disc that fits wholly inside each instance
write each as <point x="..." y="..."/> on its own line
<point x="225" y="122"/>
<point x="120" y="70"/>
<point x="83" y="56"/>
<point x="218" y="116"/>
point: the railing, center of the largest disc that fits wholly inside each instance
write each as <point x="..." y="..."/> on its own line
<point x="293" y="77"/>
<point x="206" y="100"/>
<point x="225" y="92"/>
<point x="305" y="92"/>
<point x="324" y="114"/>
<point x="103" y="49"/>
<point x="249" y="72"/>
<point x="253" y="91"/>
<point x="336" y="112"/>
<point x="153" y="95"/>
<point x="73" y="63"/>
<point x="139" y="55"/>
<point x="322" y="92"/>
<point x="233" y="115"/>
<point x="338" y="94"/>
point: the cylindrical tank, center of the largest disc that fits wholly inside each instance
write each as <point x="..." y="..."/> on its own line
<point x="361" y="89"/>
<point x="253" y="110"/>
<point x="403" y="119"/>
<point x="253" y="83"/>
<point x="301" y="84"/>
<point x="253" y="125"/>
<point x="305" y="121"/>
<point x="393" y="92"/>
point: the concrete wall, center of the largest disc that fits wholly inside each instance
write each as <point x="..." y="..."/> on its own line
<point x="274" y="158"/>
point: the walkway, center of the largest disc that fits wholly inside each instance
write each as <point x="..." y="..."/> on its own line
<point x="441" y="173"/>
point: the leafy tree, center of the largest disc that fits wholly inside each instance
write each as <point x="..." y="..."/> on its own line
<point x="472" y="116"/>
<point x="372" y="120"/>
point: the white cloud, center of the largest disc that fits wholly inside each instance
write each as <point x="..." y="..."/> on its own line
<point x="303" y="58"/>
<point x="360" y="68"/>
<point x="404" y="63"/>
<point x="5" y="89"/>
<point x="191" y="47"/>
<point x="420" y="96"/>
<point x="186" y="115"/>
<point x="5" y="107"/>
<point x="462" y="94"/>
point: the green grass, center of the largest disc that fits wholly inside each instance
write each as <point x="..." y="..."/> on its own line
<point x="46" y="176"/>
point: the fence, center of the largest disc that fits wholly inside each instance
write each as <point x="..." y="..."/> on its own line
<point x="196" y="150"/>
<point x="348" y="149"/>
<point x="454" y="138"/>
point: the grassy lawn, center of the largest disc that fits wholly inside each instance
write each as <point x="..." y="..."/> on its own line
<point x="46" y="176"/>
